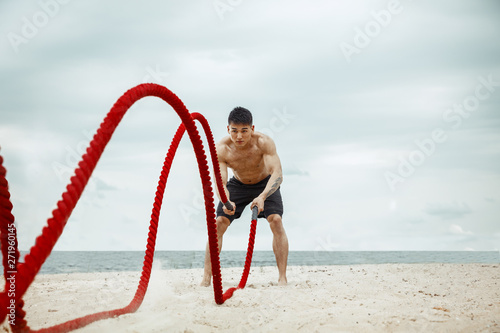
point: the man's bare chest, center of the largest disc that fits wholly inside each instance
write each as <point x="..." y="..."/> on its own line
<point x="252" y="160"/>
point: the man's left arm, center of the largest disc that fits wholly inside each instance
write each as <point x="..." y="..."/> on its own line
<point x="273" y="164"/>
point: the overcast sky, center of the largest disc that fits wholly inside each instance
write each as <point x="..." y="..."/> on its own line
<point x="385" y="115"/>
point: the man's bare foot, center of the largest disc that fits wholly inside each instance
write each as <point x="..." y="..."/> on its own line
<point x="282" y="282"/>
<point x="206" y="281"/>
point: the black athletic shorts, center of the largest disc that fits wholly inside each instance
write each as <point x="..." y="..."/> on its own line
<point x="243" y="194"/>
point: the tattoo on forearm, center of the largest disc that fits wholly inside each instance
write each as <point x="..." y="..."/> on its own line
<point x="274" y="187"/>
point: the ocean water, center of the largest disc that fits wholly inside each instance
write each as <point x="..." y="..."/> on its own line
<point x="109" y="261"/>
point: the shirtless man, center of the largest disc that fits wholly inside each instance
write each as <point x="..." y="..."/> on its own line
<point x="257" y="177"/>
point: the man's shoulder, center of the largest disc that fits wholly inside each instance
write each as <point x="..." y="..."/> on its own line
<point x="223" y="145"/>
<point x="224" y="142"/>
<point x="262" y="138"/>
<point x="264" y="141"/>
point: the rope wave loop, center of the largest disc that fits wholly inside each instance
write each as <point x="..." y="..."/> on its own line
<point x="20" y="275"/>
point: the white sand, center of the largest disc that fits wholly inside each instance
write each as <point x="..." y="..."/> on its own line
<point x="360" y="298"/>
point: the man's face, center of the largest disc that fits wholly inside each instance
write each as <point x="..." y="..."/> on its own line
<point x="240" y="134"/>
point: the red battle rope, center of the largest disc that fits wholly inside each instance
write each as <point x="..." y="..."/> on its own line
<point x="19" y="276"/>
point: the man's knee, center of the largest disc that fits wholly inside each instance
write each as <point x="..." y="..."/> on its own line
<point x="222" y="223"/>
<point x="275" y="223"/>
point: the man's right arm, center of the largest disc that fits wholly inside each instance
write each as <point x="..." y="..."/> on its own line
<point x="224" y="177"/>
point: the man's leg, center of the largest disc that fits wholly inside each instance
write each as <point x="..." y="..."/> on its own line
<point x="222" y="224"/>
<point x="280" y="246"/>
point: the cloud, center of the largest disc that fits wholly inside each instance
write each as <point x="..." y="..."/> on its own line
<point x="103" y="185"/>
<point x="338" y="126"/>
<point x="457" y="230"/>
<point x="448" y="211"/>
<point x="293" y="170"/>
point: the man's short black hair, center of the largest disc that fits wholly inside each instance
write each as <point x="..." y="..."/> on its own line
<point x="240" y="116"/>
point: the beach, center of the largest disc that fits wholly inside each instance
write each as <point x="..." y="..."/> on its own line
<point x="339" y="298"/>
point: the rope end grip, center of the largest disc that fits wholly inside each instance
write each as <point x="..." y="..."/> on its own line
<point x="228" y="205"/>
<point x="255" y="212"/>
